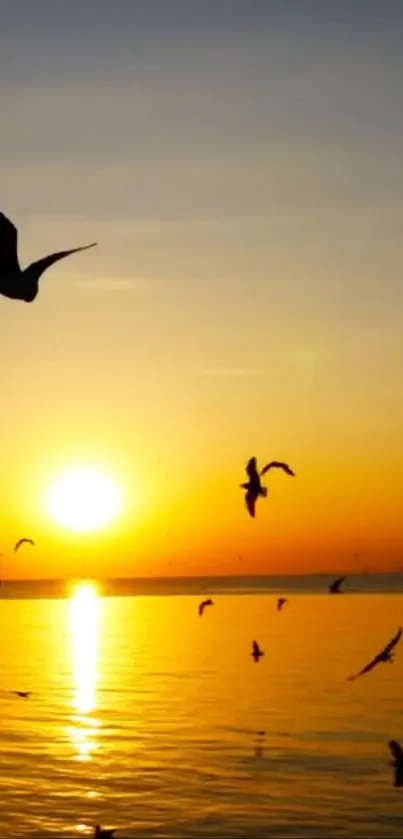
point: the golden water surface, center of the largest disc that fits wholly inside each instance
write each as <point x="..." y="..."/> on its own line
<point x="145" y="717"/>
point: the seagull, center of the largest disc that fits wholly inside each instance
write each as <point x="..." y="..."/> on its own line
<point x="256" y="652"/>
<point x="203" y="605"/>
<point x="21" y="542"/>
<point x="334" y="587"/>
<point x="385" y="655"/>
<point x="23" y="694"/>
<point x="281" y="602"/>
<point x="397" y="753"/>
<point x="103" y="833"/>
<point x="23" y="284"/>
<point x="254" y="487"/>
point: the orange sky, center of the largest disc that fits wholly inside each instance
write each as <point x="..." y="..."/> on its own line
<point x="243" y="179"/>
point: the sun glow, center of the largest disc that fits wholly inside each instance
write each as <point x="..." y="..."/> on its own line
<point x="84" y="616"/>
<point x="83" y="500"/>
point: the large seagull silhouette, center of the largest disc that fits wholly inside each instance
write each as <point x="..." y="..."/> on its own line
<point x="254" y="487"/>
<point x="23" y="284"/>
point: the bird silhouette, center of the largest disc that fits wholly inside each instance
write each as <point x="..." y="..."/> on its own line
<point x="334" y="587"/>
<point x="256" y="652"/>
<point x="397" y="754"/>
<point x="23" y="284"/>
<point x="21" y="542"/>
<point x="281" y="602"/>
<point x="383" y="656"/>
<point x="23" y="694"/>
<point x="254" y="487"/>
<point x="203" y="605"/>
<point x="103" y="833"/>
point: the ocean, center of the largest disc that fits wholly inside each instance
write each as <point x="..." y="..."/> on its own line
<point x="148" y="718"/>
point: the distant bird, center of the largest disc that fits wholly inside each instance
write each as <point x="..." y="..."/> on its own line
<point x="21" y="542"/>
<point x="256" y="652"/>
<point x="397" y="754"/>
<point x="103" y="833"/>
<point x="334" y="587"/>
<point x="21" y="284"/>
<point x="281" y="602"/>
<point x="23" y="694"/>
<point x="253" y="487"/>
<point x="203" y="605"/>
<point x="385" y="655"/>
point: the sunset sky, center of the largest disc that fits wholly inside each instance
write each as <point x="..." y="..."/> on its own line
<point x="240" y="166"/>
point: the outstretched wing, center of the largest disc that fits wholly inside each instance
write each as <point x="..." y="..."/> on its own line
<point x="250" y="501"/>
<point x="37" y="268"/>
<point x="8" y="247"/>
<point x="380" y="657"/>
<point x="21" y="542"/>
<point x="277" y="464"/>
<point x="396" y="638"/>
<point x="251" y="468"/>
<point x="365" y="669"/>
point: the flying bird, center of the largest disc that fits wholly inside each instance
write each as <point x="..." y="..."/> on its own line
<point x="334" y="587"/>
<point x="397" y="754"/>
<point x="203" y="605"/>
<point x="254" y="487"/>
<point x="17" y="283"/>
<point x="385" y="655"/>
<point x="21" y="542"/>
<point x="103" y="833"/>
<point x="23" y="694"/>
<point x="281" y="602"/>
<point x="256" y="652"/>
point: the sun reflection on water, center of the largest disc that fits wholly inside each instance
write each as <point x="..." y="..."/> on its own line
<point x="84" y="619"/>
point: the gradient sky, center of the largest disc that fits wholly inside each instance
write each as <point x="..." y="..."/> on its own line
<point x="239" y="164"/>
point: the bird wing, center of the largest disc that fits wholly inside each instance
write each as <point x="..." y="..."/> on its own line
<point x="21" y="542"/>
<point x="201" y="608"/>
<point x="277" y="464"/>
<point x="8" y="246"/>
<point x="42" y="264"/>
<point x="251" y="468"/>
<point x="365" y="669"/>
<point x="393" y="642"/>
<point x="250" y="501"/>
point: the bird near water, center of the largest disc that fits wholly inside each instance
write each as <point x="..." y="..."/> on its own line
<point x="17" y="283"/>
<point x="23" y="694"/>
<point x="22" y="542"/>
<point x="256" y="652"/>
<point x="281" y="602"/>
<point x="384" y="656"/>
<point x="254" y="487"/>
<point x="103" y="833"/>
<point x="203" y="605"/>
<point x="334" y="587"/>
<point x="397" y="754"/>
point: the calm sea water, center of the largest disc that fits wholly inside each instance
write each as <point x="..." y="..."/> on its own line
<point x="145" y="717"/>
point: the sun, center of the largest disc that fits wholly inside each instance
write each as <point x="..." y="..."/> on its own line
<point x="83" y="499"/>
